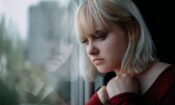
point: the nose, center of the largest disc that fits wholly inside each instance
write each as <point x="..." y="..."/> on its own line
<point x="92" y="49"/>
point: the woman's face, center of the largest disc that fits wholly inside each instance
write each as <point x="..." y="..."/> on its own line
<point x="59" y="53"/>
<point x="106" y="48"/>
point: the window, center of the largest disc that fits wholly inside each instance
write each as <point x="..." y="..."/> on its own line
<point x="38" y="54"/>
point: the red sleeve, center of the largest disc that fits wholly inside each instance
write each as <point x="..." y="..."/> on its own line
<point x="125" y="99"/>
<point x="169" y="98"/>
<point x="94" y="100"/>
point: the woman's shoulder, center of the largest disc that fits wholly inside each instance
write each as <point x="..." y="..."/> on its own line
<point x="170" y="68"/>
<point x="163" y="86"/>
<point x="168" y="73"/>
<point x="165" y="81"/>
<point x="157" y="72"/>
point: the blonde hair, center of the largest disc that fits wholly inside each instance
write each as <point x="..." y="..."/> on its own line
<point x="140" y="53"/>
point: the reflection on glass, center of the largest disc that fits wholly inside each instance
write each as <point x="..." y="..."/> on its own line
<point x="58" y="53"/>
<point x="38" y="70"/>
<point x="50" y="45"/>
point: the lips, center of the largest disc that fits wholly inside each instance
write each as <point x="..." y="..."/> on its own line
<point x="98" y="61"/>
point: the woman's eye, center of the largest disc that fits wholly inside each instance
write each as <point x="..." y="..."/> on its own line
<point x="100" y="36"/>
<point x="84" y="42"/>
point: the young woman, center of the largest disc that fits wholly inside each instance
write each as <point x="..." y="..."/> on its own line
<point x="116" y="39"/>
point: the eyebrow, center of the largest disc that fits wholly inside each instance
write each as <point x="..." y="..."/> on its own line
<point x="82" y="38"/>
<point x="101" y="31"/>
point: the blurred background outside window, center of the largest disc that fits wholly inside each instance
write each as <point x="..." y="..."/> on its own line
<point x="38" y="53"/>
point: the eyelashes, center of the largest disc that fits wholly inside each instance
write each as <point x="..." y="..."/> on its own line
<point x="98" y="37"/>
<point x="84" y="41"/>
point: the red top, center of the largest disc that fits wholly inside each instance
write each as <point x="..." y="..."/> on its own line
<point x="162" y="92"/>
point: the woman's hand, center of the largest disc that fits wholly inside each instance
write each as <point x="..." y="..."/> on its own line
<point x="121" y="84"/>
<point x="103" y="95"/>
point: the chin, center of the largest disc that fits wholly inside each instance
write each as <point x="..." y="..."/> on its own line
<point x="103" y="71"/>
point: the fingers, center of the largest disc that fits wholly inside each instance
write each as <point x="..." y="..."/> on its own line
<point x="121" y="84"/>
<point x="103" y="95"/>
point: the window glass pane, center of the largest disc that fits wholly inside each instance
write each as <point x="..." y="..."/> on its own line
<point x="38" y="52"/>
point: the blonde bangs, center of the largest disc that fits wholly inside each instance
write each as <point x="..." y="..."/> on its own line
<point x="88" y="18"/>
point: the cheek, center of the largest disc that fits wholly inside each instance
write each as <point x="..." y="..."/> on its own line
<point x="115" y="52"/>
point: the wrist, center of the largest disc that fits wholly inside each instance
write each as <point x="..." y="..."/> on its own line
<point x="103" y="95"/>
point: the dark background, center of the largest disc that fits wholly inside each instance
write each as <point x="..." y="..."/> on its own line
<point x="159" y="18"/>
